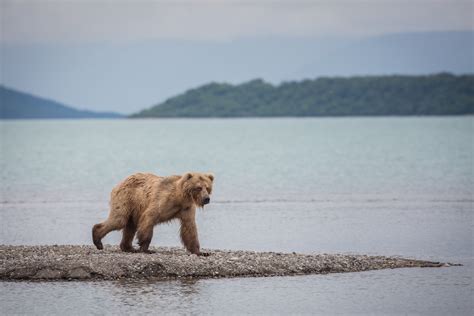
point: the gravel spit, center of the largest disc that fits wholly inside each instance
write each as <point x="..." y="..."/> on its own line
<point x="67" y="262"/>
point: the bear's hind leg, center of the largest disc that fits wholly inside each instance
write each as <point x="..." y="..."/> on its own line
<point x="100" y="230"/>
<point x="127" y="236"/>
<point x="145" y="232"/>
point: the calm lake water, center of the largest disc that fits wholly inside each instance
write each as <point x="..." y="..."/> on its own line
<point x="388" y="186"/>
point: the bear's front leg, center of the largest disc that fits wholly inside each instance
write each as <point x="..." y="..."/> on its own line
<point x="188" y="233"/>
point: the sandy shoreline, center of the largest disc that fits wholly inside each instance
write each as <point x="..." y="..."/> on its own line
<point x="66" y="262"/>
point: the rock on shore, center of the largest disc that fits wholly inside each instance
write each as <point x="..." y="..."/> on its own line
<point x="85" y="262"/>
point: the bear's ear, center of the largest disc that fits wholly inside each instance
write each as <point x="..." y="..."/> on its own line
<point x="210" y="176"/>
<point x="188" y="176"/>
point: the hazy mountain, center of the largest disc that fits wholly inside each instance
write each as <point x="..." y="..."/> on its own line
<point x="441" y="94"/>
<point x="19" y="105"/>
<point x="126" y="77"/>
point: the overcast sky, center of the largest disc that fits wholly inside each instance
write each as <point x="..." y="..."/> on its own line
<point x="77" y="21"/>
<point x="59" y="49"/>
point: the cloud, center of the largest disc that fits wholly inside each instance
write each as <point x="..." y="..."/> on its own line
<point x="121" y="21"/>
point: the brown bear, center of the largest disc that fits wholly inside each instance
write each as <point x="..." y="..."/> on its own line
<point x="144" y="200"/>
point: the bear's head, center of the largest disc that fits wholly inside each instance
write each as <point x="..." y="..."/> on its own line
<point x="197" y="187"/>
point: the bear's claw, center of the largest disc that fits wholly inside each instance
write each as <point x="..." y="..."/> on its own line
<point x="99" y="245"/>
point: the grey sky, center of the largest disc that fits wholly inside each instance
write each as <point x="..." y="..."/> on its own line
<point x="86" y="21"/>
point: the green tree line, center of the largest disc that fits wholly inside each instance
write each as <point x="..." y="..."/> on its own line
<point x="438" y="94"/>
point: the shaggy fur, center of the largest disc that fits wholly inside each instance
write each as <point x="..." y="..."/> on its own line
<point x="144" y="200"/>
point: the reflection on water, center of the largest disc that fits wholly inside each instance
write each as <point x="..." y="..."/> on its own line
<point x="151" y="294"/>
<point x="427" y="291"/>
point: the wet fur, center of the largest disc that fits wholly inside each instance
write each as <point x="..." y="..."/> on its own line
<point x="144" y="200"/>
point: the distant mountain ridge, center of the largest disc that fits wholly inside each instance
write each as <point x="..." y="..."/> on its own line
<point x="164" y="68"/>
<point x="19" y="105"/>
<point x="439" y="94"/>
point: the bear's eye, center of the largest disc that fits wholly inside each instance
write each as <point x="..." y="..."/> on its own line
<point x="199" y="189"/>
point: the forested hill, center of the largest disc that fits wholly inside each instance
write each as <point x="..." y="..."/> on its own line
<point x="19" y="105"/>
<point x="439" y="94"/>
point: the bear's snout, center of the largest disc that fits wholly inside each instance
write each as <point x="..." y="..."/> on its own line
<point x="206" y="200"/>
